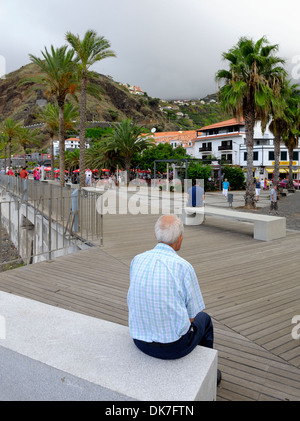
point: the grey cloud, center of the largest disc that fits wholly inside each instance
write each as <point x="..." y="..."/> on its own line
<point x="170" y="48"/>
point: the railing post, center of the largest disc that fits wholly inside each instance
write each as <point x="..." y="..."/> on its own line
<point x="50" y="226"/>
<point x="101" y="222"/>
<point x="25" y="190"/>
<point x="75" y="210"/>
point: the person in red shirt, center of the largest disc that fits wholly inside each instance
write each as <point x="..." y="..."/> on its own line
<point x="24" y="174"/>
<point x="10" y="172"/>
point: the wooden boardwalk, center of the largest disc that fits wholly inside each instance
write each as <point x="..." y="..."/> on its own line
<point x="250" y="288"/>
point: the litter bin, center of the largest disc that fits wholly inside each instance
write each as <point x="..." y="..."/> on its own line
<point x="230" y="199"/>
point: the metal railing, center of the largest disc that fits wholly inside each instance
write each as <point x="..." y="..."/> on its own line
<point x="44" y="220"/>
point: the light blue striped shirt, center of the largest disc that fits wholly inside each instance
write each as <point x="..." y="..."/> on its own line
<point x="163" y="296"/>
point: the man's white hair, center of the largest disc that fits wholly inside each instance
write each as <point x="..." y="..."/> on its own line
<point x="168" y="229"/>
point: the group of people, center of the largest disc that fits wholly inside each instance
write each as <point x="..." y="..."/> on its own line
<point x="265" y="184"/>
<point x="196" y="195"/>
<point x="88" y="178"/>
<point x="23" y="173"/>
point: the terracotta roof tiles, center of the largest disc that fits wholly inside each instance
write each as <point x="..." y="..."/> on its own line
<point x="226" y="123"/>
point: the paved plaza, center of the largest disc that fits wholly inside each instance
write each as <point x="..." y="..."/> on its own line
<point x="250" y="288"/>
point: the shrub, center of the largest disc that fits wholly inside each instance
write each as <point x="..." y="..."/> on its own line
<point x="236" y="177"/>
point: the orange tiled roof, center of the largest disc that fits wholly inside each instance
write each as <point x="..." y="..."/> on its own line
<point x="226" y="123"/>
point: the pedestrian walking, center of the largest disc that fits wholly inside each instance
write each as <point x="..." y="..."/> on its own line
<point x="196" y="195"/>
<point x="226" y="187"/>
<point x="24" y="173"/>
<point x="257" y="188"/>
<point x="273" y="200"/>
<point x="88" y="177"/>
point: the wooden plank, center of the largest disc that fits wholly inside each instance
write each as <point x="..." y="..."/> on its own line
<point x="248" y="292"/>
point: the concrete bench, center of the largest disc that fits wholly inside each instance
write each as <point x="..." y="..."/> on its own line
<point x="266" y="227"/>
<point x="48" y="353"/>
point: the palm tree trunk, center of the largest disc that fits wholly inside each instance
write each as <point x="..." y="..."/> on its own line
<point x="61" y="139"/>
<point x="249" y="127"/>
<point x="291" y="152"/>
<point x="127" y="168"/>
<point x="82" y="129"/>
<point x="24" y="164"/>
<point x="52" y="158"/>
<point x="277" y="158"/>
<point x="9" y="153"/>
<point x="5" y="158"/>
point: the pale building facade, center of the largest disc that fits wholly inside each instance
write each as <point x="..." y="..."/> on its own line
<point x="226" y="141"/>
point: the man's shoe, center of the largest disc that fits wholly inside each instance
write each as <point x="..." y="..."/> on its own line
<point x="219" y="377"/>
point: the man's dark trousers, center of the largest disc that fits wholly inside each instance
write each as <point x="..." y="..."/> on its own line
<point x="200" y="333"/>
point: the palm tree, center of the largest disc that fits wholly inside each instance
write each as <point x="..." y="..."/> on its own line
<point x="49" y="115"/>
<point x="292" y="130"/>
<point x="58" y="75"/>
<point x="279" y="124"/>
<point x="72" y="159"/>
<point x="89" y="50"/>
<point x="27" y="137"/>
<point x="3" y="144"/>
<point x="125" y="140"/>
<point x="277" y="128"/>
<point x="100" y="155"/>
<point x="252" y="86"/>
<point x="10" y="129"/>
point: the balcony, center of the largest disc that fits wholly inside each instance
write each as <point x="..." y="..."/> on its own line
<point x="205" y="149"/>
<point x="227" y="147"/>
<point x="220" y="134"/>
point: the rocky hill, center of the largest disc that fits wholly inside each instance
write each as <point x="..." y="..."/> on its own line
<point x="117" y="103"/>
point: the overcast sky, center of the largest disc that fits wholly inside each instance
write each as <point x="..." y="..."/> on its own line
<point x="169" y="48"/>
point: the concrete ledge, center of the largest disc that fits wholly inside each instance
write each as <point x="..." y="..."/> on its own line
<point x="266" y="227"/>
<point x="48" y="353"/>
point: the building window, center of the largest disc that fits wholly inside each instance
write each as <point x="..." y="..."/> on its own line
<point x="271" y="156"/>
<point x="227" y="158"/>
<point x="226" y="144"/>
<point x="255" y="156"/>
<point x="295" y="156"/>
<point x="283" y="155"/>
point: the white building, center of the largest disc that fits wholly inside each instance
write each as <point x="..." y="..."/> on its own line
<point x="70" y="144"/>
<point x="227" y="141"/>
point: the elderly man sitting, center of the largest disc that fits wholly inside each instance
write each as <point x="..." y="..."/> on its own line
<point x="166" y="317"/>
